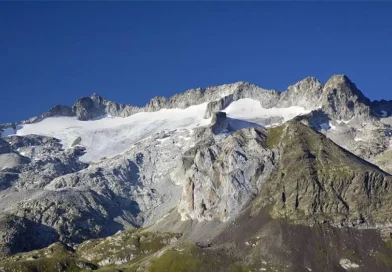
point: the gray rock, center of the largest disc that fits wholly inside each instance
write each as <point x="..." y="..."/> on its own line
<point x="342" y="100"/>
<point x="207" y="173"/>
<point x="221" y="176"/>
<point x="220" y="122"/>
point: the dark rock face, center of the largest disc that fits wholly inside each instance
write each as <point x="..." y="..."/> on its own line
<point x="218" y="105"/>
<point x="4" y="146"/>
<point x="61" y="110"/>
<point x="16" y="142"/>
<point x="18" y="234"/>
<point x="84" y="109"/>
<point x="219" y="122"/>
<point x="88" y="108"/>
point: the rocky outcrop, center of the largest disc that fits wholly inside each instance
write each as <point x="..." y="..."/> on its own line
<point x="220" y="177"/>
<point x="219" y="123"/>
<point x="218" y="105"/>
<point x="305" y="93"/>
<point x="18" y="234"/>
<point x="318" y="181"/>
<point x="339" y="98"/>
<point x="38" y="159"/>
<point x="88" y="108"/>
<point x="4" y="146"/>
<point x="51" y="187"/>
<point x="342" y="100"/>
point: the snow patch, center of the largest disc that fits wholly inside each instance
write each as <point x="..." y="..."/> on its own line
<point x="347" y="264"/>
<point x="250" y="110"/>
<point x="163" y="139"/>
<point x="111" y="136"/>
<point x="384" y="113"/>
<point x="358" y="139"/>
<point x="344" y="121"/>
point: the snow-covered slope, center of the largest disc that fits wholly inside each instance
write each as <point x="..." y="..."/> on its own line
<point x="250" y="110"/>
<point x="111" y="136"/>
<point x="108" y="136"/>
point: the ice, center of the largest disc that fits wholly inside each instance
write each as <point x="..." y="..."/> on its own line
<point x="249" y="109"/>
<point x="110" y="136"/>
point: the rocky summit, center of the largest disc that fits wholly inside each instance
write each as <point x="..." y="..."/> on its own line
<point x="224" y="178"/>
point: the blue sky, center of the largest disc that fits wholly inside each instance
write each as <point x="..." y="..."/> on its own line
<point x="54" y="53"/>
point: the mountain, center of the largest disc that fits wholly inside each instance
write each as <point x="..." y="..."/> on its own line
<point x="227" y="178"/>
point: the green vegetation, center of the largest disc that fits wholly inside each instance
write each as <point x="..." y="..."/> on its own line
<point x="274" y="136"/>
<point x="54" y="258"/>
<point x="127" y="251"/>
<point x="383" y="259"/>
<point x="128" y="246"/>
<point x="189" y="258"/>
<point x="175" y="260"/>
<point x="383" y="160"/>
<point x="389" y="243"/>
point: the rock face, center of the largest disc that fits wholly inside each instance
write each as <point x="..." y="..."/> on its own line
<point x="221" y="176"/>
<point x="88" y="108"/>
<point x="220" y="123"/>
<point x="342" y="100"/>
<point x="19" y="234"/>
<point x="337" y="94"/>
<point x="317" y="181"/>
<point x="52" y="187"/>
<point x="208" y="169"/>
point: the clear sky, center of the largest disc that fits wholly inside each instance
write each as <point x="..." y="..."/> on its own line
<point x="54" y="53"/>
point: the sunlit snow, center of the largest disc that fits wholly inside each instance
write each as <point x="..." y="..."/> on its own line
<point x="251" y="110"/>
<point x="343" y="121"/>
<point x="111" y="136"/>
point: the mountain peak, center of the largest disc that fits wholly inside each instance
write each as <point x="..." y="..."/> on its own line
<point x="343" y="100"/>
<point x="342" y="83"/>
<point x="95" y="95"/>
<point x="339" y="77"/>
<point x="309" y="79"/>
